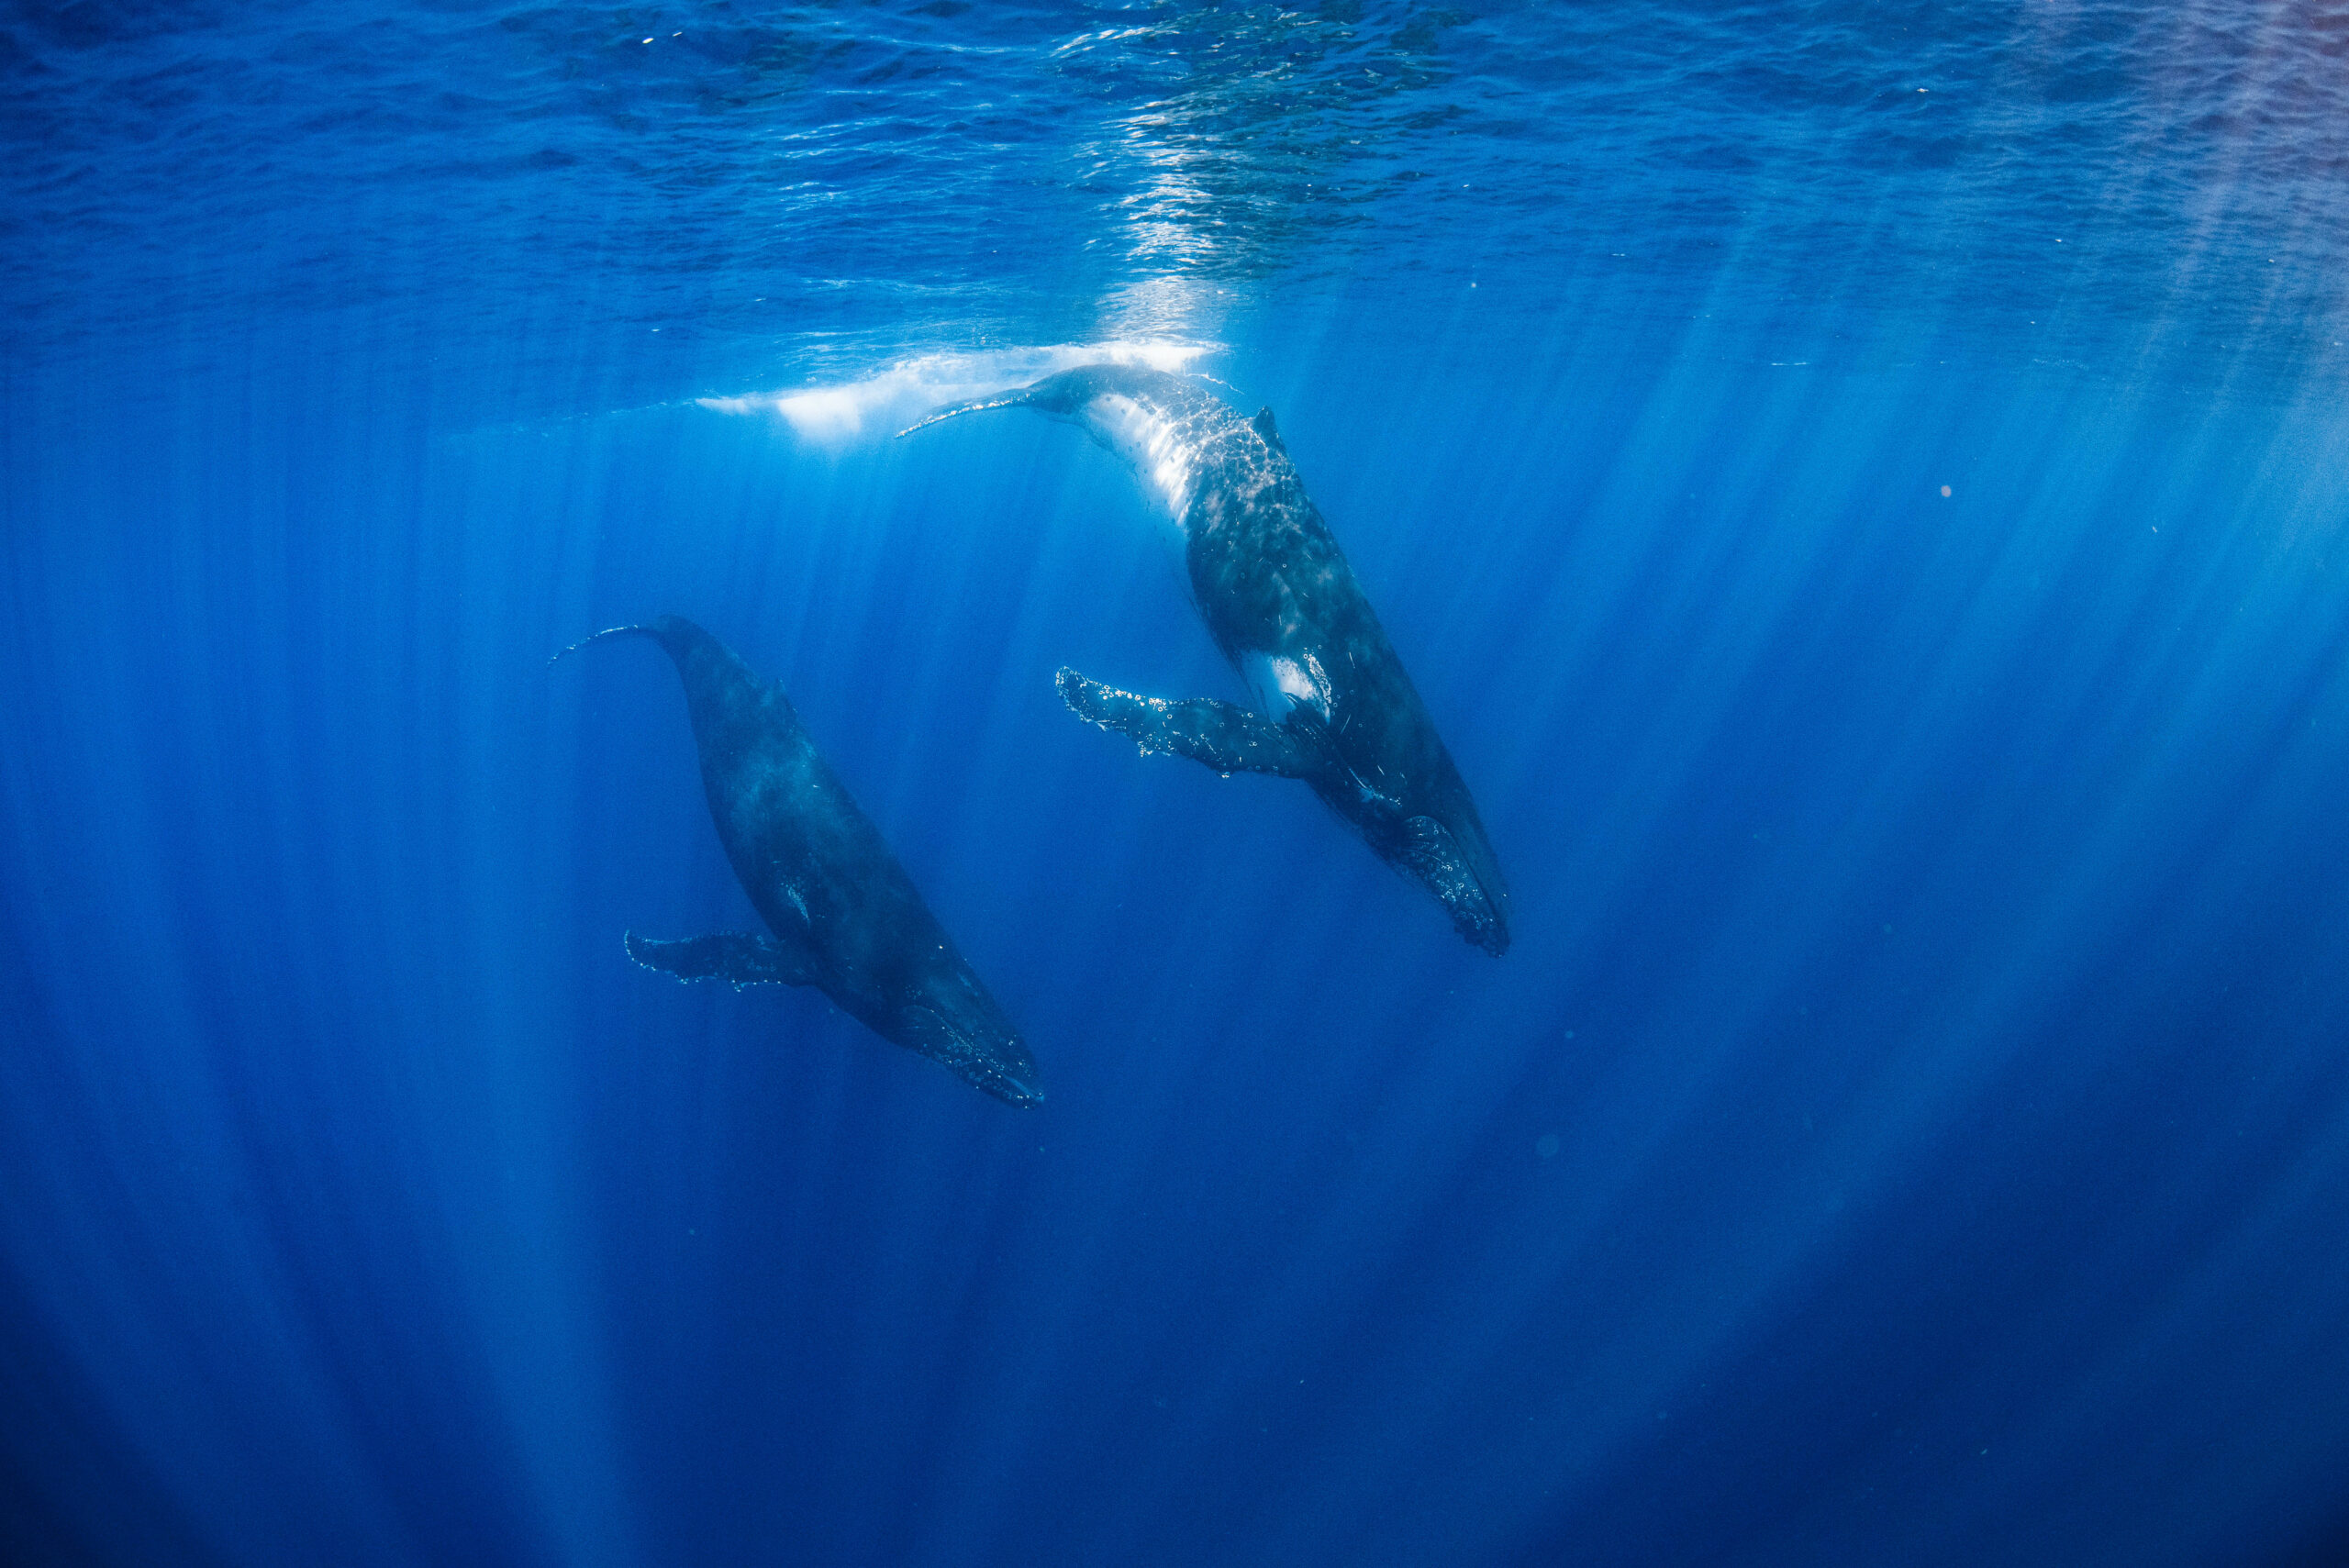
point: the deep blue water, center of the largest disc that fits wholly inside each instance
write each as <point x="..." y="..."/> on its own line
<point x="1860" y="489"/>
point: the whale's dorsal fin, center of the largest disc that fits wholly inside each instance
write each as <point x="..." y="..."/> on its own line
<point x="1224" y="736"/>
<point x="742" y="957"/>
<point x="1263" y="425"/>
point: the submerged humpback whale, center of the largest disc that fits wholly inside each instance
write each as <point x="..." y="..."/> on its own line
<point x="845" y="917"/>
<point x="1333" y="704"/>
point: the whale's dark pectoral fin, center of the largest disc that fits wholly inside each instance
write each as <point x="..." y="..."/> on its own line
<point x="1224" y="736"/>
<point x="738" y="956"/>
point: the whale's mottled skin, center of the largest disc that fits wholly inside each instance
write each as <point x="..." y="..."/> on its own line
<point x="845" y="917"/>
<point x="1333" y="704"/>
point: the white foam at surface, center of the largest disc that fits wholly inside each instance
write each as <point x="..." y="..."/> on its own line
<point x="882" y="404"/>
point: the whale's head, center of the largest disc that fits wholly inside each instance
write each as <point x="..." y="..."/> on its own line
<point x="954" y="1022"/>
<point x="1425" y="826"/>
<point x="1455" y="862"/>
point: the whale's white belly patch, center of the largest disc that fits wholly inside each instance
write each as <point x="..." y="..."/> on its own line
<point x="1280" y="683"/>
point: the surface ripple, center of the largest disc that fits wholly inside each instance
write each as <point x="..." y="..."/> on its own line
<point x="2091" y="183"/>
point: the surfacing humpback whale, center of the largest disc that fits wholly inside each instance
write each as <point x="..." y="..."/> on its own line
<point x="845" y="917"/>
<point x="1333" y="704"/>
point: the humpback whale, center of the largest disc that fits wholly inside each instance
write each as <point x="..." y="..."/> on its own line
<point x="844" y="917"/>
<point x="1332" y="705"/>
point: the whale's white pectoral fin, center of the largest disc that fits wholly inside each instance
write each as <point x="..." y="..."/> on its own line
<point x="1012" y="399"/>
<point x="1224" y="736"/>
<point x="738" y="956"/>
<point x="607" y="634"/>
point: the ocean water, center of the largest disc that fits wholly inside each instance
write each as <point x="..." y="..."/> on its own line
<point x="1860" y="489"/>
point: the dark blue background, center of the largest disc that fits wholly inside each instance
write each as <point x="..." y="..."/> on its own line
<point x="1911" y="1125"/>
